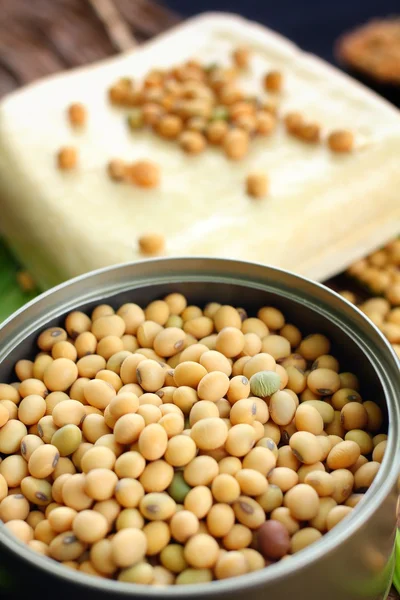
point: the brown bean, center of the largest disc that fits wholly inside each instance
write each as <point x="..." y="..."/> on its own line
<point x="308" y="418"/>
<point x="272" y="317"/>
<point x="257" y="363"/>
<point x="8" y="392"/>
<point x="273" y="540"/>
<point x="110" y="509"/>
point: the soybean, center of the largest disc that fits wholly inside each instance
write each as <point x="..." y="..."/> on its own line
<point x="158" y="440"/>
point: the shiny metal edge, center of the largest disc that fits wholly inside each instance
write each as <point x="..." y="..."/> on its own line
<point x="113" y="280"/>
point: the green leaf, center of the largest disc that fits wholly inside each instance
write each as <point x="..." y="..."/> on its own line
<point x="396" y="576"/>
<point x="11" y="295"/>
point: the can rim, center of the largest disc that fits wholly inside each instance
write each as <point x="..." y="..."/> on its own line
<point x="183" y="269"/>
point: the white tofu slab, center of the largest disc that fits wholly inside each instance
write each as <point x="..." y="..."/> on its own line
<point x="323" y="210"/>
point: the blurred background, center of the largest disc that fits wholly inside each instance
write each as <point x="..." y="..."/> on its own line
<point x="42" y="37"/>
<point x="48" y="35"/>
<point x="313" y="24"/>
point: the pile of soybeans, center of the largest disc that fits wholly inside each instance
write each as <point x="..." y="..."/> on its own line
<point x="177" y="445"/>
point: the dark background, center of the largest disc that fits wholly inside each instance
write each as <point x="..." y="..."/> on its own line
<point x="312" y="24"/>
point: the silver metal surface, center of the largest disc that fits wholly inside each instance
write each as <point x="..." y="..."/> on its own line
<point x="353" y="561"/>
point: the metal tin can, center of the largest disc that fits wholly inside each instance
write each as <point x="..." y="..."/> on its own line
<point x="353" y="561"/>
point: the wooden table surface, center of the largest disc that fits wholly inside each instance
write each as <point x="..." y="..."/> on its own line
<point x="41" y="37"/>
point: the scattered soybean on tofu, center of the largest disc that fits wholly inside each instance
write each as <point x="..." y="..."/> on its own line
<point x="67" y="158"/>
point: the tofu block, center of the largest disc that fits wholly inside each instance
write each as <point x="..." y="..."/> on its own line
<point x="323" y="211"/>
